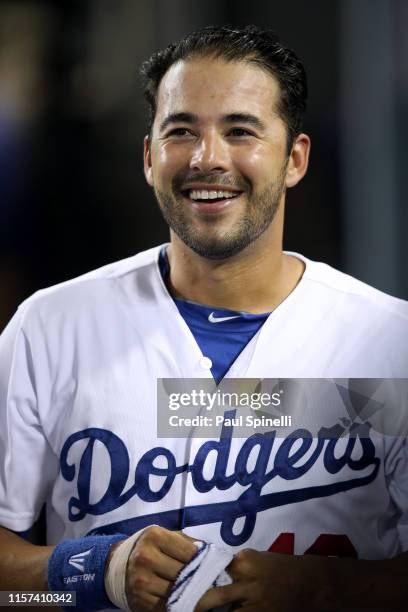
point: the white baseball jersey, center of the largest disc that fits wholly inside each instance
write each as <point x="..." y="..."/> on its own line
<point x="78" y="369"/>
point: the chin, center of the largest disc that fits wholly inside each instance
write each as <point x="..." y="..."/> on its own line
<point x="215" y="250"/>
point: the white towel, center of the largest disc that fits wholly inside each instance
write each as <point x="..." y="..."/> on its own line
<point x="205" y="570"/>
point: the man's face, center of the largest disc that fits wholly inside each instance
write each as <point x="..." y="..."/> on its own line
<point x="217" y="157"/>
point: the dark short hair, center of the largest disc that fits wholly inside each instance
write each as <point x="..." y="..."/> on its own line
<point x="251" y="44"/>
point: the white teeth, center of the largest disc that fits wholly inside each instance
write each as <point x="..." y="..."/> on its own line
<point x="195" y="194"/>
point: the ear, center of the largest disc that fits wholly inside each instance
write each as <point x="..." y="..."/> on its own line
<point x="298" y="160"/>
<point x="147" y="161"/>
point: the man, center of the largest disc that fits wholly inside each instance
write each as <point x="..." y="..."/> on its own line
<point x="79" y="365"/>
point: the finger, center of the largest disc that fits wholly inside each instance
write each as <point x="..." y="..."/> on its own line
<point x="187" y="537"/>
<point x="171" y="543"/>
<point x="223" y="595"/>
<point x="147" y="559"/>
<point x="166" y="567"/>
<point x="144" y="602"/>
<point x="148" y="582"/>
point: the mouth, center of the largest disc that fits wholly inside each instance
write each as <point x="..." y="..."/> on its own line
<point x="211" y="201"/>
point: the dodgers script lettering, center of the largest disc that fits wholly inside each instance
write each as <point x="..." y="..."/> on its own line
<point x="287" y="465"/>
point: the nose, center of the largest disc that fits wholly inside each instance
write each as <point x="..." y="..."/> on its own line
<point x="210" y="154"/>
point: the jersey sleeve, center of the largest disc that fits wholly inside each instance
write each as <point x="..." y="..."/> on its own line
<point x="27" y="464"/>
<point x="397" y="480"/>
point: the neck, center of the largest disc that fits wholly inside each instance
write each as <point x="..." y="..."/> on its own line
<point x="256" y="280"/>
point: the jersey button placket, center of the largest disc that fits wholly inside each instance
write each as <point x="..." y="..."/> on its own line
<point x="205" y="363"/>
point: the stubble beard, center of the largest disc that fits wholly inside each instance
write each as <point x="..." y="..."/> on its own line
<point x="260" y="212"/>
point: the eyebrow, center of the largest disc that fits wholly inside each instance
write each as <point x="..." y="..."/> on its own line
<point x="191" y="118"/>
<point x="178" y="118"/>
<point x="247" y="118"/>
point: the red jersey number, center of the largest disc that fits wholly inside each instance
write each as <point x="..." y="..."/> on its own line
<point x="327" y="545"/>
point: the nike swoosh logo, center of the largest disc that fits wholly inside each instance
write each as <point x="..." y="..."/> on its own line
<point x="213" y="319"/>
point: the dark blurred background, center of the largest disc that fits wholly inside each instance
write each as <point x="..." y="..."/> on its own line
<point x="72" y="120"/>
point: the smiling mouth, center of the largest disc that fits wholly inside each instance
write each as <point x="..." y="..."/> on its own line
<point x="204" y="196"/>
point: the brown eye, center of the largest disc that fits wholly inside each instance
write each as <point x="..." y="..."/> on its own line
<point x="179" y="132"/>
<point x="240" y="132"/>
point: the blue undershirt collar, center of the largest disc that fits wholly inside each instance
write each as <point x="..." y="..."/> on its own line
<point x="221" y="334"/>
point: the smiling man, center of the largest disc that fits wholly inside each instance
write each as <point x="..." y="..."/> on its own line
<point x="219" y="173"/>
<point x="307" y="518"/>
<point x="220" y="157"/>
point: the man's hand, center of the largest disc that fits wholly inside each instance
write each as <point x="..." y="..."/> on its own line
<point x="154" y="563"/>
<point x="282" y="583"/>
<point x="262" y="581"/>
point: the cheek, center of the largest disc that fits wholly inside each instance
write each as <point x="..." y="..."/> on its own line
<point x="261" y="164"/>
<point x="167" y="162"/>
<point x="254" y="164"/>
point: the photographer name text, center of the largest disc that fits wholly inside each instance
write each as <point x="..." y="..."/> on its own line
<point x="239" y="421"/>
